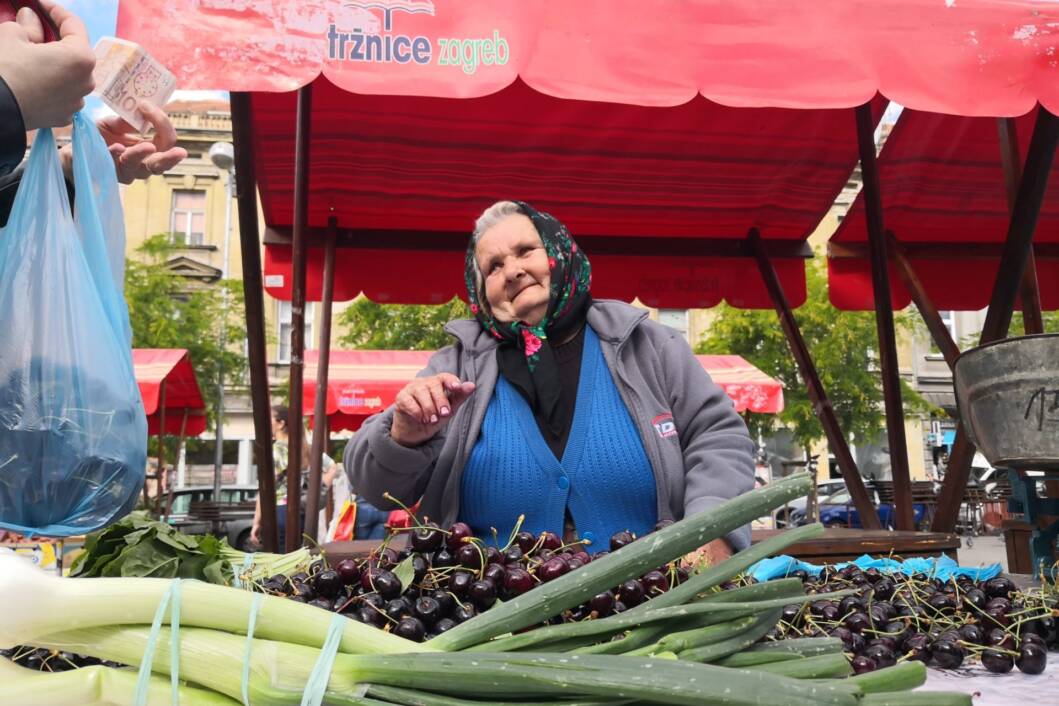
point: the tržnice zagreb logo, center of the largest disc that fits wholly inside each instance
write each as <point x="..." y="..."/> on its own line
<point x="372" y="44"/>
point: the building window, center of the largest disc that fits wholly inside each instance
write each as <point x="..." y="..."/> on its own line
<point x="283" y="316"/>
<point x="675" y="319"/>
<point x="187" y="222"/>
<point x="949" y="319"/>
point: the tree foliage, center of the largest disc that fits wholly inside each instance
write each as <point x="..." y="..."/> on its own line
<point x="370" y="326"/>
<point x="842" y="345"/>
<point x="168" y="311"/>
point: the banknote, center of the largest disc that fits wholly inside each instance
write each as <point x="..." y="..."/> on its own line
<point x="126" y="74"/>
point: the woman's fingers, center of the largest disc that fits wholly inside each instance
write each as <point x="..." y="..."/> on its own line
<point x="460" y="394"/>
<point x="425" y="404"/>
<point x="425" y="398"/>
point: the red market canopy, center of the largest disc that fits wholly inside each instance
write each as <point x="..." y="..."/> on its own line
<point x="662" y="182"/>
<point x="943" y="190"/>
<point x="169" y="369"/>
<point x="964" y="57"/>
<point x="363" y="383"/>
<point x="649" y="193"/>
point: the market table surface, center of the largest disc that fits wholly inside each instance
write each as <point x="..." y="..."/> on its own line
<point x="845" y="544"/>
<point x="835" y="544"/>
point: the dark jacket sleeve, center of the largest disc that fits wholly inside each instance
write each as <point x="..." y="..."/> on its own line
<point x="12" y="149"/>
<point x="12" y="131"/>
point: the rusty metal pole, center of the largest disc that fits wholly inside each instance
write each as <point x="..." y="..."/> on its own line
<point x="821" y="404"/>
<point x="939" y="332"/>
<point x="320" y="426"/>
<point x="1023" y="223"/>
<point x="254" y="299"/>
<point x="1029" y="292"/>
<point x="962" y="449"/>
<point x="884" y="321"/>
<point x="296" y="429"/>
<point x="1017" y="246"/>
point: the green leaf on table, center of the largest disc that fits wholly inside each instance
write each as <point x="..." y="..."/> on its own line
<point x="218" y="571"/>
<point x="151" y="559"/>
<point x="137" y="536"/>
<point x="178" y="541"/>
<point x="405" y="572"/>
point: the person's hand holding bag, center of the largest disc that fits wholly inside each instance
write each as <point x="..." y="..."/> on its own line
<point x="48" y="80"/>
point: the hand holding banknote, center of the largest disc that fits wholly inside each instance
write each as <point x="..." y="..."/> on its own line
<point x="135" y="157"/>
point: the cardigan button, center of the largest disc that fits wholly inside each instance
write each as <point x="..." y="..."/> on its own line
<point x="588" y="537"/>
<point x="563" y="482"/>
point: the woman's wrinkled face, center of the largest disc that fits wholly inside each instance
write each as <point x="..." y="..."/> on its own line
<point x="514" y="265"/>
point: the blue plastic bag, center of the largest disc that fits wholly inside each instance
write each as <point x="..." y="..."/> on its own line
<point x="940" y="567"/>
<point x="73" y="433"/>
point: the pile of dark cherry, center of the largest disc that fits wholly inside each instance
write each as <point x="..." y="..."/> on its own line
<point x="895" y="617"/>
<point x="45" y="660"/>
<point x="453" y="578"/>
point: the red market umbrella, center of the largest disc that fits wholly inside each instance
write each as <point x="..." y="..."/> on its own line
<point x="360" y="383"/>
<point x="750" y="389"/>
<point x="166" y="379"/>
<point x="363" y="383"/>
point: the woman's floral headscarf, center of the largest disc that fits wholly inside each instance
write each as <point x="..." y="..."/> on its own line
<point x="525" y="353"/>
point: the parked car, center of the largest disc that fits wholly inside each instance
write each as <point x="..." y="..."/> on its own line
<point x="236" y="512"/>
<point x="837" y="510"/>
<point x="824" y="488"/>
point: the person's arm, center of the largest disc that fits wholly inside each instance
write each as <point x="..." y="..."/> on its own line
<point x="718" y="451"/>
<point x="377" y="463"/>
<point x="255" y="528"/>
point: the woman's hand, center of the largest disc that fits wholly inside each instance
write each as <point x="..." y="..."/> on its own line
<point x="425" y="405"/>
<point x="709" y="554"/>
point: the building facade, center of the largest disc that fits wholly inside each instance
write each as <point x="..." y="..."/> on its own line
<point x="189" y="204"/>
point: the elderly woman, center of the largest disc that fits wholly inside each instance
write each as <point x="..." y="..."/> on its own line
<point x="584" y="416"/>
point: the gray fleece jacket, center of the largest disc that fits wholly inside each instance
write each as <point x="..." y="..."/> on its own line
<point x="697" y="444"/>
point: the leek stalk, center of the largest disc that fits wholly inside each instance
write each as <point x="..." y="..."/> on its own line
<point x="132" y="601"/>
<point x="94" y="686"/>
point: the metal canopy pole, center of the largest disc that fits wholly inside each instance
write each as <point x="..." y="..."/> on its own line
<point x="939" y="332"/>
<point x="295" y="428"/>
<point x="254" y="298"/>
<point x="1024" y="216"/>
<point x="1016" y="252"/>
<point x="320" y="426"/>
<point x="822" y="405"/>
<point x="884" y="321"/>
<point x="1029" y="292"/>
<point x="962" y="449"/>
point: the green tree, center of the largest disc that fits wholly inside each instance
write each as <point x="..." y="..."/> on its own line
<point x="842" y="344"/>
<point x="1050" y="320"/>
<point x="370" y="326"/>
<point x="168" y="311"/>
